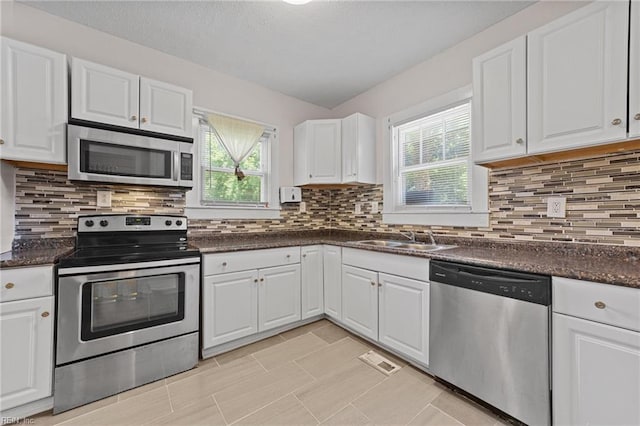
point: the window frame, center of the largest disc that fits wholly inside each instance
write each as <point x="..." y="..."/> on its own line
<point x="475" y="214"/>
<point x="197" y="208"/>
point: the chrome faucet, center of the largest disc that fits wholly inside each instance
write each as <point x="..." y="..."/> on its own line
<point x="433" y="240"/>
<point x="409" y="234"/>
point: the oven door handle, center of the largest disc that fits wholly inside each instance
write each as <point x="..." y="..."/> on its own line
<point x="81" y="270"/>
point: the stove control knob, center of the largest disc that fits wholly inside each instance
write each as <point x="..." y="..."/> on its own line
<point x="104" y="223"/>
<point x="88" y="223"/>
<point x="167" y="222"/>
<point x="178" y="222"/>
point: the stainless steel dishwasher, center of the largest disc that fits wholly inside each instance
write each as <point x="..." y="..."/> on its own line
<point x="489" y="336"/>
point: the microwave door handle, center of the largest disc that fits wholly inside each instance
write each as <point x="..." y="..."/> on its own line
<point x="176" y="165"/>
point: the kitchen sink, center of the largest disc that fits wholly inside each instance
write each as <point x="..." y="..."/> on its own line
<point x="407" y="245"/>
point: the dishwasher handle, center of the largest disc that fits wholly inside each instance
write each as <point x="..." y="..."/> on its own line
<point x="532" y="288"/>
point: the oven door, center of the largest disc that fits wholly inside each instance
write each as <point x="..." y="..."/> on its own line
<point x="108" y="156"/>
<point x="101" y="312"/>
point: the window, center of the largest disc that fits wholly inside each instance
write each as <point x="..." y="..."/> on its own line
<point x="432" y="179"/>
<point x="219" y="184"/>
<point x="217" y="193"/>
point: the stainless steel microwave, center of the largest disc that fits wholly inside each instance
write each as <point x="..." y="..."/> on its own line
<point x="110" y="156"/>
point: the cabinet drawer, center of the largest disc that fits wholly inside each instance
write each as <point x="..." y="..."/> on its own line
<point x="26" y="283"/>
<point x="220" y="263"/>
<point x="608" y="304"/>
<point x="395" y="264"/>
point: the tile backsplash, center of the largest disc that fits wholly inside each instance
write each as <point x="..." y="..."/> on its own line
<point x="603" y="205"/>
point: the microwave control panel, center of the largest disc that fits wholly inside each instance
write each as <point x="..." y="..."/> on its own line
<point x="186" y="166"/>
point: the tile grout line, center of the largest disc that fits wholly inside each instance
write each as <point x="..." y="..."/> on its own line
<point x="258" y="409"/>
<point x="215" y="401"/>
<point x="360" y="411"/>
<point x="259" y="363"/>
<point x="305" y="407"/>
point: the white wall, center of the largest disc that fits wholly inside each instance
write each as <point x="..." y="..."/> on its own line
<point x="211" y="89"/>
<point x="7" y="205"/>
<point x="449" y="70"/>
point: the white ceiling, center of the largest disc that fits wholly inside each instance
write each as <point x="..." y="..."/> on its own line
<point x="325" y="52"/>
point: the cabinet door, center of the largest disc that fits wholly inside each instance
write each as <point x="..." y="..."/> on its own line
<point x="312" y="281"/>
<point x="332" y="267"/>
<point x="165" y="108"/>
<point x="26" y="352"/>
<point x="229" y="307"/>
<point x="596" y="373"/>
<point x="404" y="316"/>
<point x="358" y="149"/>
<point x="279" y="296"/>
<point x="360" y="300"/>
<point x="500" y="102"/>
<point x="324" y="157"/>
<point x="634" y="71"/>
<point x="578" y="78"/>
<point x="104" y="94"/>
<point x="33" y="98"/>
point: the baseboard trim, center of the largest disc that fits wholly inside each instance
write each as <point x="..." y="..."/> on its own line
<point x="17" y="414"/>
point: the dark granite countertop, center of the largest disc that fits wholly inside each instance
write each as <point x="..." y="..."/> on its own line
<point x="604" y="264"/>
<point x="616" y="265"/>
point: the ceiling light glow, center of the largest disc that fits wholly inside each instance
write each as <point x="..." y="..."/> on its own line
<point x="297" y="2"/>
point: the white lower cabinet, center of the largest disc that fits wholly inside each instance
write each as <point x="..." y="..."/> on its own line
<point x="26" y="352"/>
<point x="332" y="271"/>
<point x="312" y="281"/>
<point x="231" y="307"/>
<point x="245" y="302"/>
<point x="360" y="300"/>
<point x="278" y="296"/>
<point x="404" y="315"/>
<point x="596" y="353"/>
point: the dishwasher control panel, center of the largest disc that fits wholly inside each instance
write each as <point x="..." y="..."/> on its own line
<point x="532" y="288"/>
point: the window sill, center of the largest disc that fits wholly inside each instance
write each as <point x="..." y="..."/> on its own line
<point x="225" y="212"/>
<point x="453" y="218"/>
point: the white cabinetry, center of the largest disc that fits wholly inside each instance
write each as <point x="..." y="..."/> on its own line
<point x="385" y="297"/>
<point x="33" y="103"/>
<point x="332" y="268"/>
<point x="634" y="71"/>
<point x="317" y="152"/>
<point x="108" y="95"/>
<point x="578" y="78"/>
<point x="358" y="149"/>
<point x="26" y="333"/>
<point x="335" y="151"/>
<point x="596" y="357"/>
<point x="500" y="102"/>
<point x="360" y="300"/>
<point x="312" y="281"/>
<point x="248" y="292"/>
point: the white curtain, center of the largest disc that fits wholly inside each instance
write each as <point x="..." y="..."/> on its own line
<point x="238" y="137"/>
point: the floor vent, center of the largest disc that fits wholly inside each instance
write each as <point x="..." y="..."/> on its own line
<point x="379" y="362"/>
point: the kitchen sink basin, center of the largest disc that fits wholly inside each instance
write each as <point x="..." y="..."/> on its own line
<point x="406" y="245"/>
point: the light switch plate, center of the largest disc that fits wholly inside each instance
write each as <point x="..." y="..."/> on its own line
<point x="103" y="199"/>
<point x="556" y="207"/>
<point x="303" y="207"/>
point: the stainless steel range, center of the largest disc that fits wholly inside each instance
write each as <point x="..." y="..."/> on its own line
<point x="128" y="307"/>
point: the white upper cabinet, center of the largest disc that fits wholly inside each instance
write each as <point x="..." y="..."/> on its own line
<point x="500" y="102"/>
<point x="33" y="101"/>
<point x="104" y="94"/>
<point x="358" y="149"/>
<point x="165" y="108"/>
<point x="577" y="91"/>
<point x="312" y="281"/>
<point x="317" y="152"/>
<point x="335" y="151"/>
<point x="634" y="71"/>
<point x="111" y="96"/>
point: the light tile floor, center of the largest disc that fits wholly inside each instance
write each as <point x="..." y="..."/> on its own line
<point x="307" y="376"/>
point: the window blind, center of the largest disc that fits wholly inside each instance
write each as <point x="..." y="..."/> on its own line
<point x="433" y="158"/>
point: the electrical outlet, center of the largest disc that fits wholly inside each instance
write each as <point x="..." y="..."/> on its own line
<point x="303" y="207"/>
<point x="103" y="199"/>
<point x="358" y="209"/>
<point x="556" y="206"/>
<point x="374" y="207"/>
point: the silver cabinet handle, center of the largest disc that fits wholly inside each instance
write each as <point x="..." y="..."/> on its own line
<point x="310" y="176"/>
<point x="9" y="286"/>
<point x="373" y="283"/>
<point x="600" y="305"/>
<point x="616" y="121"/>
<point x="261" y="279"/>
<point x="143" y="120"/>
<point x="635" y="117"/>
<point x="304" y="255"/>
<point x="224" y="263"/>
<point x="134" y="117"/>
<point x="520" y="141"/>
<point x="2" y="140"/>
<point x="44" y="314"/>
<point x="288" y="256"/>
<point x="255" y="280"/>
